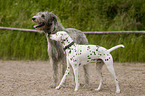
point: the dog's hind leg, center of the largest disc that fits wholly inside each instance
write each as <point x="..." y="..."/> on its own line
<point x="109" y="64"/>
<point x="99" y="66"/>
<point x="86" y="75"/>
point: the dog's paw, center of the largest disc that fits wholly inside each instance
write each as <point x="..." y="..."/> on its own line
<point x="98" y="89"/>
<point x="76" y="90"/>
<point x="117" y="91"/>
<point x="57" y="88"/>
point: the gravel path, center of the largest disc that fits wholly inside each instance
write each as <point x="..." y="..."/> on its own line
<point x="32" y="78"/>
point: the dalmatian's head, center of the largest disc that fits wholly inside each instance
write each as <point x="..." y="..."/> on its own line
<point x="59" y="36"/>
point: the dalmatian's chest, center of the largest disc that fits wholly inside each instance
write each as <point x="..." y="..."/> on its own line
<point x="84" y="54"/>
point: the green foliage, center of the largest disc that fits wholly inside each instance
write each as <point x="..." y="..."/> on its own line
<point x="86" y="15"/>
<point x="133" y="50"/>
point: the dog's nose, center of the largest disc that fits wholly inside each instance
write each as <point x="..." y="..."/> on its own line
<point x="33" y="19"/>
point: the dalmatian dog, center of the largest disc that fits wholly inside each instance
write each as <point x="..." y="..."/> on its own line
<point x="83" y="54"/>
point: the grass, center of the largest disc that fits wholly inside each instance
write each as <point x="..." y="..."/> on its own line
<point x="86" y="15"/>
<point x="134" y="48"/>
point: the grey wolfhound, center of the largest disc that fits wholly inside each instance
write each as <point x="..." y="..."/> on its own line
<point x="48" y="22"/>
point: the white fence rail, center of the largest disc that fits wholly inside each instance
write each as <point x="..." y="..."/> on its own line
<point x="86" y="32"/>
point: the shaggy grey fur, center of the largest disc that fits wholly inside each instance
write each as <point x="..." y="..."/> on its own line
<point x="47" y="21"/>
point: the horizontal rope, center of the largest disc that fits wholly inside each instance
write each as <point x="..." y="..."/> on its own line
<point x="86" y="32"/>
<point x="113" y="32"/>
<point x="18" y="29"/>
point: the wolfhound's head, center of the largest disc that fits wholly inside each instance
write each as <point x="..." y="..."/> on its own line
<point x="46" y="21"/>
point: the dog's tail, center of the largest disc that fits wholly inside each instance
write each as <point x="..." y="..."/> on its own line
<point x="115" y="47"/>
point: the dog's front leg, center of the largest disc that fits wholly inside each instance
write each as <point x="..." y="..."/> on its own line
<point x="64" y="76"/>
<point x="75" y="69"/>
<point x="63" y="68"/>
<point x="55" y="72"/>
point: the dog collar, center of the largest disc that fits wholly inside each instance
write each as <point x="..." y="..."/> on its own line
<point x="66" y="47"/>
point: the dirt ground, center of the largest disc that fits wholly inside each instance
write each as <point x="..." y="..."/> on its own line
<point x="32" y="78"/>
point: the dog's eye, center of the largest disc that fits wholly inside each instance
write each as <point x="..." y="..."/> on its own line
<point x="43" y="16"/>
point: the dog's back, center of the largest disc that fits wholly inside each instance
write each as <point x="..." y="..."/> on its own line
<point x="84" y="54"/>
<point x="78" y="36"/>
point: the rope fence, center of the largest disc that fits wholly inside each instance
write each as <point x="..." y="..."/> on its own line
<point x="86" y="32"/>
<point x="19" y="29"/>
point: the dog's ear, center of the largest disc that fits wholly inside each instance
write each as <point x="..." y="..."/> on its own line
<point x="52" y="23"/>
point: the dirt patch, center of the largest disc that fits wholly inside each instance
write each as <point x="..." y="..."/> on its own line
<point x="32" y="78"/>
